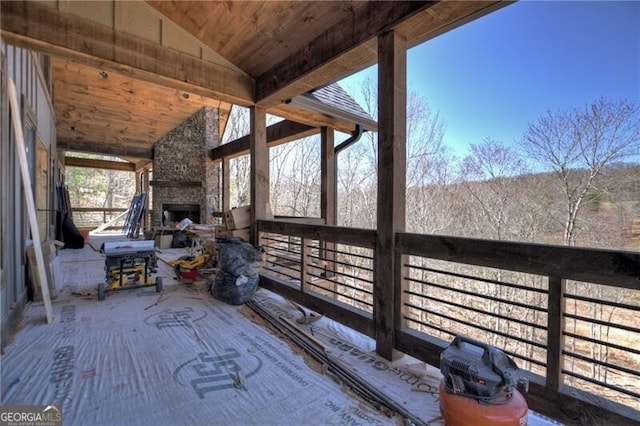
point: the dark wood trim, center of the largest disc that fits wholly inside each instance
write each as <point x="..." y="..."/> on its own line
<point x="99" y="164"/>
<point x="363" y="24"/>
<point x="614" y="268"/>
<point x="259" y="168"/>
<point x="570" y="406"/>
<point x="226" y="185"/>
<point x="555" y="337"/>
<point x="328" y="193"/>
<point x="392" y="101"/>
<point x="176" y="183"/>
<point x="42" y="28"/>
<point x="297" y="219"/>
<point x="277" y="134"/>
<point x="341" y="312"/>
<point x="336" y="234"/>
<point x="104" y="148"/>
<point x="350" y="43"/>
<point x="328" y="168"/>
<point x="305" y="264"/>
<point x="98" y="209"/>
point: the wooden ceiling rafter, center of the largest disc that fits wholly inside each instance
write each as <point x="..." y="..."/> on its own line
<point x="310" y="43"/>
<point x="277" y="134"/>
<point x="94" y="147"/>
<point x="42" y="28"/>
<point x="93" y="163"/>
<point x="350" y="50"/>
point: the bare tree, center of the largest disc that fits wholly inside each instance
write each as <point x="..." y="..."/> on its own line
<point x="489" y="175"/>
<point x="578" y="144"/>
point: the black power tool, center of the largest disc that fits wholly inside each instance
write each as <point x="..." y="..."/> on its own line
<point x="481" y="385"/>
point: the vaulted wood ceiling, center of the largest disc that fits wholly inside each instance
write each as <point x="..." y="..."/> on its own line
<point x="125" y="73"/>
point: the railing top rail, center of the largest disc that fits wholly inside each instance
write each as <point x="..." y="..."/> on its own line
<point x="598" y="266"/>
<point x="99" y="209"/>
<point x="330" y="233"/>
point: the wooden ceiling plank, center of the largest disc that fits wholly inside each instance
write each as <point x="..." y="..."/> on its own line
<point x="323" y="59"/>
<point x="99" y="164"/>
<point x="215" y="23"/>
<point x="105" y="149"/>
<point x="345" y="35"/>
<point x="31" y="25"/>
<point x="97" y="106"/>
<point x="277" y="134"/>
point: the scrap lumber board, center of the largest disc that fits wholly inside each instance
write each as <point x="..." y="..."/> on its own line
<point x="31" y="209"/>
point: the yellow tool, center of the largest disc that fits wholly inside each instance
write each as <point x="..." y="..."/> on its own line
<point x="127" y="266"/>
<point x="185" y="267"/>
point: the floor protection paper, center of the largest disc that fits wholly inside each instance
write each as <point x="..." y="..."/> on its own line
<point x="181" y="357"/>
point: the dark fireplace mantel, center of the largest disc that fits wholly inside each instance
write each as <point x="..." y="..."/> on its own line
<point x="176" y="183"/>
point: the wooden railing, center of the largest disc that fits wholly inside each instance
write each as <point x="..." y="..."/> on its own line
<point x="566" y="315"/>
<point x="92" y="217"/>
<point x="536" y="303"/>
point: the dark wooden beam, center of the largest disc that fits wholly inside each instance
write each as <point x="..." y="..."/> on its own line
<point x="597" y="266"/>
<point x="555" y="337"/>
<point x="336" y="234"/>
<point x="42" y="28"/>
<point x="226" y="185"/>
<point x="363" y="24"/>
<point x="105" y="148"/>
<point x="279" y="133"/>
<point x="392" y="101"/>
<point x="259" y="168"/>
<point x="328" y="176"/>
<point x="175" y="183"/>
<point x="350" y="46"/>
<point x="99" y="164"/>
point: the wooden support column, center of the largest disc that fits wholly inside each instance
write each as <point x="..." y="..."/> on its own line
<point x="305" y="263"/>
<point x="392" y="105"/>
<point x="145" y="188"/>
<point x="555" y="336"/>
<point x="259" y="154"/>
<point x="328" y="196"/>
<point x="226" y="185"/>
<point x="328" y="176"/>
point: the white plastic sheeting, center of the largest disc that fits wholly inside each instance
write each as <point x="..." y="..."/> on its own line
<point x="409" y="383"/>
<point x="189" y="359"/>
<point x="183" y="357"/>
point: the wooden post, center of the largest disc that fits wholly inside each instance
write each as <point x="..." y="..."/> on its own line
<point x="259" y="168"/>
<point x="328" y="192"/>
<point x="555" y="336"/>
<point x="392" y="105"/>
<point x="226" y="197"/>
<point x="145" y="188"/>
<point x="328" y="173"/>
<point x="401" y="284"/>
<point x="28" y="195"/>
<point x="305" y="263"/>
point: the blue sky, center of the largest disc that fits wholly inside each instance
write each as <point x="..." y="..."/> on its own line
<point x="493" y="76"/>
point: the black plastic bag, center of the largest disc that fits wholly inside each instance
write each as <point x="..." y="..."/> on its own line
<point x="239" y="264"/>
<point x="180" y="240"/>
<point x="234" y="290"/>
<point x="238" y="257"/>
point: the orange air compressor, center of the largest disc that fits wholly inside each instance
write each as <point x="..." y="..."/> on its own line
<point x="481" y="386"/>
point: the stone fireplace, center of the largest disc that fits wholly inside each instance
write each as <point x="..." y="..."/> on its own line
<point x="185" y="181"/>
<point x="173" y="213"/>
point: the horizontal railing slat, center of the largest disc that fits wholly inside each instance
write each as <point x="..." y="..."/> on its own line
<point x="335" y="234"/>
<point x="614" y="268"/>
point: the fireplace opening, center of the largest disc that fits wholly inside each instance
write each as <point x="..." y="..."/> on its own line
<point x="174" y="213"/>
